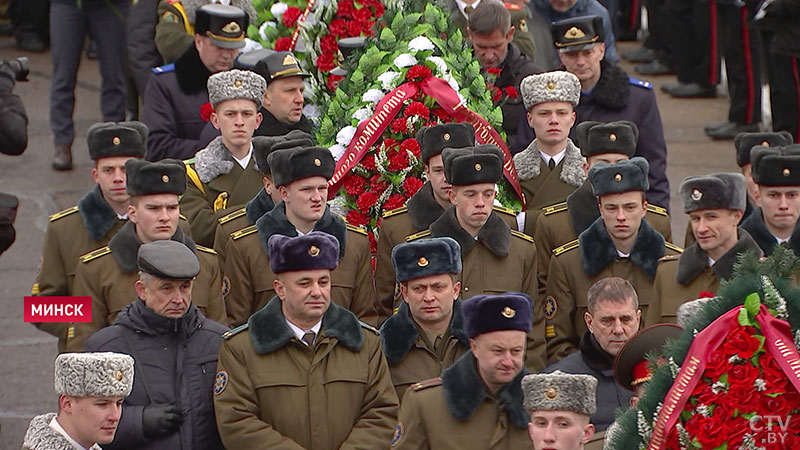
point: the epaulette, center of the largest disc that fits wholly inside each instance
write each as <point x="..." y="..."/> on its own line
<point x="181" y="216"/>
<point x="194" y="177"/>
<point x="234" y="215"/>
<point x="641" y="83"/>
<point x="369" y="327"/>
<point x="63" y="213"/>
<point x="503" y="209"/>
<point x="566" y="247"/>
<point x="669" y="258"/>
<point x="512" y="7"/>
<point x="424" y="384"/>
<point x="552" y="209"/>
<point x="164" y="69"/>
<point x="415" y="236"/>
<point x="205" y="249"/>
<point x="673" y="247"/>
<point x="243" y="232"/>
<point x="94" y="254"/>
<point x="231" y="333"/>
<point x="657" y="210"/>
<point x="522" y="235"/>
<point x="359" y="230"/>
<point x="394" y="212"/>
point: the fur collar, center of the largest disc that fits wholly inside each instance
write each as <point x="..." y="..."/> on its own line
<point x="757" y="229"/>
<point x="258" y="206"/>
<point x="271" y="126"/>
<point x="495" y="234"/>
<point x="40" y="436"/>
<point x="191" y="73"/>
<point x="275" y="222"/>
<point x="125" y="246"/>
<point x="694" y="260"/>
<point x="582" y="208"/>
<point x="598" y="250"/>
<point x="464" y="392"/>
<point x="191" y="7"/>
<point x="269" y="331"/>
<point x="594" y="356"/>
<point x="98" y="216"/>
<point x="398" y="332"/>
<point x="213" y="161"/>
<point x="527" y="163"/>
<point x="423" y="208"/>
<point x="612" y="89"/>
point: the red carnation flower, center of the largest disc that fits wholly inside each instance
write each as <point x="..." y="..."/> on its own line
<point x="706" y="294"/>
<point x="362" y="15"/>
<point x="411" y="145"/>
<point x="357" y="218"/>
<point x="511" y="92"/>
<point x="291" y="15"/>
<point x="440" y="113"/>
<point x="205" y="111"/>
<point x="497" y="94"/>
<point x="328" y="44"/>
<point x="283" y="44"/>
<point x="366" y="201"/>
<point x="379" y="9"/>
<point x="378" y="183"/>
<point x="338" y="27"/>
<point x="354" y="28"/>
<point x="325" y="62"/>
<point x="417" y="109"/>
<point x="398" y="161"/>
<point x="333" y="81"/>
<point x="494" y="70"/>
<point x="346" y="8"/>
<point x="411" y="185"/>
<point x="393" y="202"/>
<point x="373" y="247"/>
<point x="418" y="73"/>
<point x="368" y="162"/>
<point x="354" y="185"/>
<point x="399" y="126"/>
<point x="389" y="143"/>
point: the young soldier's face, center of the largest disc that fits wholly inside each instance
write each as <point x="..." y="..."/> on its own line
<point x="306" y="197"/>
<point x="305" y="295"/>
<point x="622" y="213"/>
<point x="90" y="420"/>
<point x="473" y="204"/>
<point x="156" y="216"/>
<point x="236" y="120"/>
<point x="552" y="121"/>
<point x="715" y="229"/>
<point x="559" y="430"/>
<point x="500" y="356"/>
<point x="430" y="299"/>
<point x="613" y="323"/>
<point x="780" y="206"/>
<point x="434" y="171"/>
<point x="109" y="174"/>
<point x="165" y="297"/>
<point x="284" y="99"/>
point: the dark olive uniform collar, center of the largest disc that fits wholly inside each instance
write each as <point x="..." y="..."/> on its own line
<point x="423" y="208"/>
<point x="694" y="260"/>
<point x="399" y="332"/>
<point x="495" y="234"/>
<point x="258" y="206"/>
<point x="98" y="216"/>
<point x="598" y="250"/>
<point x="125" y="246"/>
<point x="276" y="222"/>
<point x="757" y="229"/>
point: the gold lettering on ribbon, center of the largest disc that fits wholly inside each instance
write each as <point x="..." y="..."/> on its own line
<point x="671" y="402"/>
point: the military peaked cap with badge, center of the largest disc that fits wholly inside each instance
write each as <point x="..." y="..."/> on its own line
<point x="432" y="140"/>
<point x="168" y="259"/>
<point x="289" y="165"/>
<point x="248" y="60"/>
<point x="236" y="84"/>
<point x="167" y="176"/>
<point x="117" y="139"/>
<point x="631" y="367"/>
<point x="577" y="33"/>
<point x="559" y="391"/>
<point x="426" y="257"/>
<point x="263" y="146"/>
<point x="597" y="138"/>
<point x="279" y="65"/>
<point x="623" y="176"/>
<point x="556" y="86"/>
<point x="486" y="313"/>
<point x="473" y="165"/>
<point x="776" y="166"/>
<point x="744" y="143"/>
<point x="315" y="250"/>
<point x="225" y="25"/>
<point x="715" y="191"/>
<point x="102" y="374"/>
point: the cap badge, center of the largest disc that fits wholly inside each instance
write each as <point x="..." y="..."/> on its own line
<point x="313" y="250"/>
<point x="422" y="261"/>
<point x="618" y="177"/>
<point x="317" y="162"/>
<point x="787" y="172"/>
<point x="697" y="194"/>
<point x="165" y="178"/>
<point x="478" y="167"/>
<point x="765" y="144"/>
<point x="289" y="60"/>
<point x="446" y="136"/>
<point x="231" y="27"/>
<point x="551" y="85"/>
<point x="116" y="140"/>
<point x="237" y="83"/>
<point x="508" y="312"/>
<point x="551" y="394"/>
<point x="574" y="33"/>
<point x="119" y="375"/>
<point x="612" y="137"/>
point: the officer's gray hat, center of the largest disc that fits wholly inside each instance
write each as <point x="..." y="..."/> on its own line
<point x="715" y="191"/>
<point x="557" y="86"/>
<point x="168" y="259"/>
<point x="102" y="374"/>
<point x="236" y="84"/>
<point x="559" y="391"/>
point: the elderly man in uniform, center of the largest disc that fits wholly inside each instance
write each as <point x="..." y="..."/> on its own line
<point x="96" y="218"/>
<point x="560" y="405"/>
<point x="304" y="373"/>
<point x="495" y="258"/>
<point x="551" y="167"/>
<point x="620" y="243"/>
<point x="715" y="204"/>
<point x="477" y="402"/>
<point x="175" y="348"/>
<point x="301" y="176"/>
<point x="177" y="92"/>
<point x="426" y="335"/>
<point x="222" y="176"/>
<point x="109" y="274"/>
<point x="91" y="387"/>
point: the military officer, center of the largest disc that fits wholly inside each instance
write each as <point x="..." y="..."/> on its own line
<point x="109" y="274"/>
<point x="97" y="216"/>
<point x="620" y="243"/>
<point x="222" y="176"/>
<point x="301" y="176"/>
<point x="427" y="334"/>
<point x="282" y="105"/>
<point x="563" y="222"/>
<point x="715" y="204"/>
<point x="551" y="167"/>
<point x="304" y="373"/>
<point x="477" y="402"/>
<point x="495" y="258"/>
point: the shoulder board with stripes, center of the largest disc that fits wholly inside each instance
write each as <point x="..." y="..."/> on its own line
<point x="234" y="215"/>
<point x="669" y="258"/>
<point x="358" y="230"/>
<point x="194" y="177"/>
<point x="206" y="249"/>
<point x="522" y="235"/>
<point x="419" y="235"/>
<point x="369" y="327"/>
<point x="243" y="232"/>
<point x="95" y="254"/>
<point x="394" y="212"/>
<point x="427" y="383"/>
<point x="164" y="69"/>
<point x="673" y="247"/>
<point x="63" y="213"/>
<point x="657" y="210"/>
<point x="229" y="334"/>
<point x="566" y="247"/>
<point x="504" y="210"/>
<point x="552" y="209"/>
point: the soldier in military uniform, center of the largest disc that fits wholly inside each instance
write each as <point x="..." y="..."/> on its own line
<point x="715" y="204"/>
<point x="477" y="402"/>
<point x="563" y="222"/>
<point x="495" y="258"/>
<point x="109" y="274"/>
<point x="97" y="216"/>
<point x="426" y="335"/>
<point x="620" y="243"/>
<point x="301" y="176"/>
<point x="551" y="167"/>
<point x="304" y="373"/>
<point x="282" y="106"/>
<point x="222" y="176"/>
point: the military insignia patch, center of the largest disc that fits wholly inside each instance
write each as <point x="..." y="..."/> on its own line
<point x="220" y="382"/>
<point x="550" y="307"/>
<point x="398" y="434"/>
<point x="169" y="17"/>
<point x="226" y="286"/>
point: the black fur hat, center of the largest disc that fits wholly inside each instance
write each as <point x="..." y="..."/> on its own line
<point x="167" y="176"/>
<point x="715" y="191"/>
<point x="473" y="165"/>
<point x="315" y="250"/>
<point x="432" y="140"/>
<point x="292" y="164"/>
<point x="596" y="138"/>
<point x="486" y="313"/>
<point x="623" y="176"/>
<point x="264" y="145"/>
<point x="425" y="257"/>
<point x="117" y="139"/>
<point x="776" y="166"/>
<point x="744" y="143"/>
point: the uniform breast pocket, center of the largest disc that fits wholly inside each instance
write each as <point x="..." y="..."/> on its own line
<point x="345" y="387"/>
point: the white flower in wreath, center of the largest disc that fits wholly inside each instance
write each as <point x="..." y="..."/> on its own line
<point x="262" y="30"/>
<point x="373" y="95"/>
<point x="441" y="66"/>
<point x="299" y="47"/>
<point x="337" y="150"/>
<point x="362" y="114"/>
<point x="277" y="9"/>
<point x="387" y="79"/>
<point x="405" y="60"/>
<point x="311" y="111"/>
<point x="345" y="135"/>
<point x="452" y="82"/>
<point x="311" y="19"/>
<point x="419" y="44"/>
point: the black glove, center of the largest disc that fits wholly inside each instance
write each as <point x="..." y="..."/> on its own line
<point x="161" y="420"/>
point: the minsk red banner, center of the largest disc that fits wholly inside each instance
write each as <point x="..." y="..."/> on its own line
<point x="58" y="309"/>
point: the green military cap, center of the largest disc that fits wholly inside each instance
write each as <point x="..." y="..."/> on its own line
<point x="279" y="65"/>
<point x="225" y="25"/>
<point x="715" y="191"/>
<point x="577" y="33"/>
<point x="100" y="374"/>
<point x="596" y="138"/>
<point x="432" y="140"/>
<point x="744" y="143"/>
<point x="631" y="367"/>
<point x="167" y="176"/>
<point x="559" y="391"/>
<point x="776" y="166"/>
<point x="473" y="165"/>
<point x="235" y="84"/>
<point x="293" y="164"/>
<point x="168" y="259"/>
<point x="108" y="139"/>
<point x="556" y="86"/>
<point x="623" y="176"/>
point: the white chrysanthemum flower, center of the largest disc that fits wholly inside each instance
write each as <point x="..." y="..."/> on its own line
<point x="311" y="19"/>
<point x="250" y="45"/>
<point x="461" y="98"/>
<point x="452" y="82"/>
<point x="405" y="60"/>
<point x="362" y="114"/>
<point x="420" y="43"/>
<point x="337" y="151"/>
<point x="441" y="66"/>
<point x="311" y="111"/>
<point x="387" y="79"/>
<point x="277" y="9"/>
<point x="373" y="95"/>
<point x="262" y="30"/>
<point x="345" y="135"/>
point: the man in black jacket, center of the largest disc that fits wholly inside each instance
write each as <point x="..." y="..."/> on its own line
<point x="282" y="107"/>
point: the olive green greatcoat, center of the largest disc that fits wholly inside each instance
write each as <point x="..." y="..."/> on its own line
<point x="174" y="31"/>
<point x="238" y="219"/>
<point x="272" y="391"/>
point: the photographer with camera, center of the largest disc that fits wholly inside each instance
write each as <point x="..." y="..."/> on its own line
<point x="13" y="138"/>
